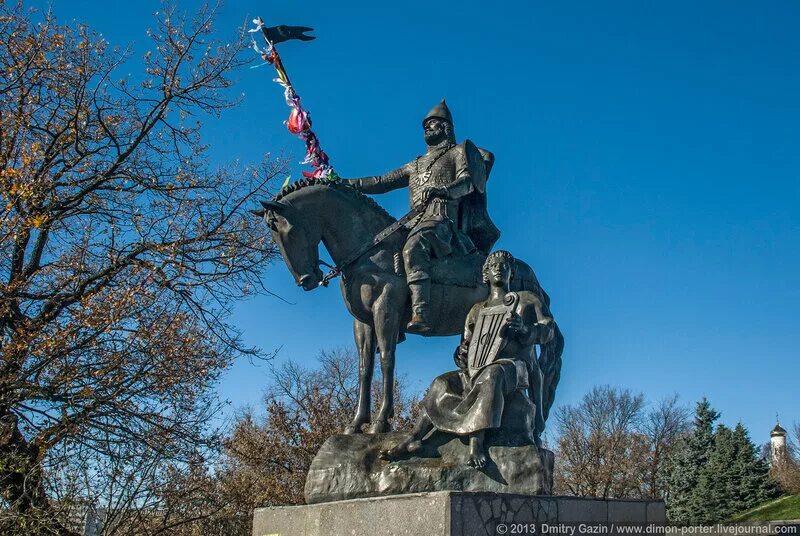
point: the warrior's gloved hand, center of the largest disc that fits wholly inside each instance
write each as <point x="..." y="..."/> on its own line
<point x="433" y="193"/>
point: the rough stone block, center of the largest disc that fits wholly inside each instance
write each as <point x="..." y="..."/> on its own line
<point x="348" y="467"/>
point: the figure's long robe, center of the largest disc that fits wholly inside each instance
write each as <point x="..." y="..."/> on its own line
<point x="462" y="404"/>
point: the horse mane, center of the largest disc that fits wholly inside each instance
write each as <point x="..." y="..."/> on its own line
<point x="336" y="184"/>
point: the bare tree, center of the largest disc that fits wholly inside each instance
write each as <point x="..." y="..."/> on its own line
<point x="303" y="408"/>
<point x="610" y="446"/>
<point x="785" y="470"/>
<point x="121" y="252"/>
<point x="664" y="426"/>
<point x="267" y="459"/>
<point x="598" y="446"/>
<point x="794" y="442"/>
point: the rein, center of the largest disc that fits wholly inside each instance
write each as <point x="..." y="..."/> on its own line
<point x="336" y="271"/>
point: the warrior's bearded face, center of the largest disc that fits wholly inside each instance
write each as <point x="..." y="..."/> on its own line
<point x="436" y="131"/>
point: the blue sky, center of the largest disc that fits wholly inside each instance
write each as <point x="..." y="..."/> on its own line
<point x="648" y="168"/>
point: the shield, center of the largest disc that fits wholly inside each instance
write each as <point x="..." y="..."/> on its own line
<point x="488" y="337"/>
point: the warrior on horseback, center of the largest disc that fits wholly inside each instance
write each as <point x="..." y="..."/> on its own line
<point x="449" y="238"/>
<point x="447" y="189"/>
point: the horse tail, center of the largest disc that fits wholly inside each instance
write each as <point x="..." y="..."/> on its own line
<point x="550" y="353"/>
<point x="550" y="363"/>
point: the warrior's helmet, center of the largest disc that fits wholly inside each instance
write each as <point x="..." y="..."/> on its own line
<point x="441" y="111"/>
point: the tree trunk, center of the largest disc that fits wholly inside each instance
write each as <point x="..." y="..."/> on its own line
<point x="21" y="482"/>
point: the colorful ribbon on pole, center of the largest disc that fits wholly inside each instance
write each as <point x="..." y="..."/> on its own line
<point x="299" y="121"/>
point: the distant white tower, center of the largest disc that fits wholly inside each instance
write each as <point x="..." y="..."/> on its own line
<point x="777" y="440"/>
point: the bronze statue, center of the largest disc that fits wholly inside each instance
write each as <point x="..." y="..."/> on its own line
<point x="369" y="246"/>
<point x="447" y="187"/>
<point x="497" y="363"/>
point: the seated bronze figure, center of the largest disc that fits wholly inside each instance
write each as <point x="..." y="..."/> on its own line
<point x="497" y="364"/>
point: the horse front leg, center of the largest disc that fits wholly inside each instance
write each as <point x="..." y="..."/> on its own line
<point x="386" y="314"/>
<point x="364" y="335"/>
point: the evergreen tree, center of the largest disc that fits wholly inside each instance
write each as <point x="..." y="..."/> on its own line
<point x="685" y="467"/>
<point x="717" y="481"/>
<point x="702" y="441"/>
<point x="754" y="484"/>
<point x="716" y="473"/>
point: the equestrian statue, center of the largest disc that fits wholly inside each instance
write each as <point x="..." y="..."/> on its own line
<point x="421" y="274"/>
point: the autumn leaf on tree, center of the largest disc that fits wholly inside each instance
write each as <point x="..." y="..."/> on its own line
<point x="121" y="252"/>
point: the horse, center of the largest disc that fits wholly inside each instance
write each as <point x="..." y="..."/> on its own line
<point x="329" y="211"/>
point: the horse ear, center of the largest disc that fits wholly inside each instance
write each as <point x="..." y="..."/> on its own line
<point x="275" y="206"/>
<point x="259" y="213"/>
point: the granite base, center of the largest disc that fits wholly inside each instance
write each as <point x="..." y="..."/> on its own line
<point x="449" y="513"/>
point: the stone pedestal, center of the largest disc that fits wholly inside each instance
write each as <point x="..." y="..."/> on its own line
<point x="449" y="513"/>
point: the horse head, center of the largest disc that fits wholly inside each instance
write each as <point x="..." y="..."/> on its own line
<point x="297" y="237"/>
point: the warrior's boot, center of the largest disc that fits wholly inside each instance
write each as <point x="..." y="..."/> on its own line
<point x="420" y="293"/>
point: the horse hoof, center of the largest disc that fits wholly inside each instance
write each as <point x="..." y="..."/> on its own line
<point x="379" y="428"/>
<point x="352" y="429"/>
